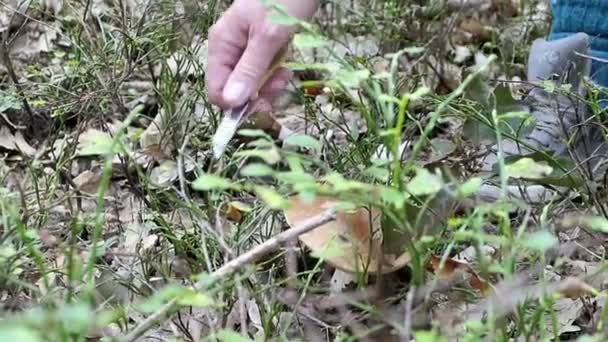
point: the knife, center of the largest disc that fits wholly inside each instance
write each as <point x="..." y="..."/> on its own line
<point x="235" y="116"/>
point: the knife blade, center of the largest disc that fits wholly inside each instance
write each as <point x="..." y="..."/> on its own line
<point x="227" y="129"/>
<point x="234" y="117"/>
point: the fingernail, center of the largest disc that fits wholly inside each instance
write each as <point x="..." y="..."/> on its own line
<point x="236" y="92"/>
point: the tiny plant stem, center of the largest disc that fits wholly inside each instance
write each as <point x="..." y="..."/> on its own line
<point x="407" y="321"/>
<point x="397" y="170"/>
<point x="501" y="161"/>
<point x="104" y="185"/>
<point x="234" y="265"/>
<point x="434" y="116"/>
<point x="6" y="57"/>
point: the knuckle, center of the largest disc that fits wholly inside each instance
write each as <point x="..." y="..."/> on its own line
<point x="274" y="33"/>
<point x="250" y="71"/>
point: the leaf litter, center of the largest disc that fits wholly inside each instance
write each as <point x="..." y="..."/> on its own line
<point x="149" y="242"/>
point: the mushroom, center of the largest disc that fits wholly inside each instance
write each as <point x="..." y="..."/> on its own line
<point x="353" y="240"/>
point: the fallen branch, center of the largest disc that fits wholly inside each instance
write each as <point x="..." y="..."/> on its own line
<point x="234" y="265"/>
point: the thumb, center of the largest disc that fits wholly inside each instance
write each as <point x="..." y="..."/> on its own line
<point x="249" y="72"/>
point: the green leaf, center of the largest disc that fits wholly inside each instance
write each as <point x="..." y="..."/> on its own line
<point x="334" y="248"/>
<point x="240" y="206"/>
<point x="565" y="172"/>
<point x="295" y="177"/>
<point x="254" y="133"/>
<point x="97" y="143"/>
<point x="76" y="318"/>
<point x="470" y="187"/>
<point x="197" y="299"/>
<point x="351" y="78"/>
<point x="12" y="331"/>
<point x="8" y="102"/>
<point x="207" y="182"/>
<point x="528" y="168"/>
<point x="588" y="338"/>
<point x="419" y="93"/>
<point x="596" y="223"/>
<point x="393" y="196"/>
<point x="303" y="140"/>
<point x="230" y="336"/>
<point x="440" y="148"/>
<point x="424" y="183"/>
<point x="540" y="241"/>
<point x="513" y="119"/>
<point x="342" y="184"/>
<point x="378" y="173"/>
<point x="270" y="156"/>
<point x="256" y="170"/>
<point x="309" y="41"/>
<point x="279" y="18"/>
<point x="159" y="298"/>
<point x="514" y="115"/>
<point x="479" y="91"/>
<point x="428" y="336"/>
<point x="273" y="199"/>
<point x="504" y="99"/>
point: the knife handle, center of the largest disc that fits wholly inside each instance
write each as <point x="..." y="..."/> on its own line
<point x="277" y="61"/>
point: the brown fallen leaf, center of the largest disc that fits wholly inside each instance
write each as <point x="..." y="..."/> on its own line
<point x="15" y="142"/>
<point x="312" y="90"/>
<point x="452" y="266"/>
<point x="478" y="30"/>
<point x="574" y="288"/>
<point x="233" y="213"/>
<point x="88" y="181"/>
<point x="351" y="243"/>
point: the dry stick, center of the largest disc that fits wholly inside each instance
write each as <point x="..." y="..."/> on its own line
<point x="407" y="324"/>
<point x="235" y="264"/>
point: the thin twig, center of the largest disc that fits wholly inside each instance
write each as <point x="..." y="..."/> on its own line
<point x="291" y="264"/>
<point x="180" y="169"/>
<point x="8" y="63"/>
<point x="242" y="306"/>
<point x="234" y="265"/>
<point x="407" y="325"/>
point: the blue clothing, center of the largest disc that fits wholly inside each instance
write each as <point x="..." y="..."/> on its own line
<point x="590" y="17"/>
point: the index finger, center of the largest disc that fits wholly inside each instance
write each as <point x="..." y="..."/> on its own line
<point x="223" y="54"/>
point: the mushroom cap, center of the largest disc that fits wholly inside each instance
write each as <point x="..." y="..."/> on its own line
<point x="351" y="243"/>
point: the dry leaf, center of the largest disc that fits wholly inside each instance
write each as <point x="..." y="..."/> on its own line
<point x="15" y="142"/>
<point x="47" y="238"/>
<point x="164" y="174"/>
<point x="351" y="243"/>
<point x="452" y="266"/>
<point x="476" y="29"/>
<point x="88" y="181"/>
<point x="574" y="288"/>
<point x="340" y="280"/>
<point x="52" y="6"/>
<point x="234" y="211"/>
<point x="253" y="311"/>
<point x="567" y="311"/>
<point x="150" y="139"/>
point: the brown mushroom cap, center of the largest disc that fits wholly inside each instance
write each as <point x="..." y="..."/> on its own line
<point x="354" y="239"/>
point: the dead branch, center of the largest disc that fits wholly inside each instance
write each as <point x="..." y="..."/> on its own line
<point x="234" y="265"/>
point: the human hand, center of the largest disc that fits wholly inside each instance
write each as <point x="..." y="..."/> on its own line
<point x="242" y="44"/>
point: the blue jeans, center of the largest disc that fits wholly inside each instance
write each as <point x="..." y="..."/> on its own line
<point x="588" y="16"/>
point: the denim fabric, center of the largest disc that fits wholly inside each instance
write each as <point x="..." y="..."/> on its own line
<point x="590" y="17"/>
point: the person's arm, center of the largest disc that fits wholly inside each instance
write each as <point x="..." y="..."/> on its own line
<point x="242" y="44"/>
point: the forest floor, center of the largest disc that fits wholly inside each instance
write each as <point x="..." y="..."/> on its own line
<point x="352" y="209"/>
